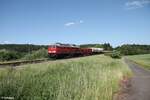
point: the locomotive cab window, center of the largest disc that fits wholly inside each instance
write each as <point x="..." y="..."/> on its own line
<point x="52" y="46"/>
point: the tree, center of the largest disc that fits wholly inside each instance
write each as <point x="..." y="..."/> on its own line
<point x="107" y="46"/>
<point x="133" y="49"/>
<point x="8" y="55"/>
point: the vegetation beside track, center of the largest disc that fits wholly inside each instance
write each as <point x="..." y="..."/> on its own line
<point x="133" y="49"/>
<point x="143" y="60"/>
<point x="21" y="62"/>
<point x="8" y="56"/>
<point x="87" y="78"/>
<point x="39" y="54"/>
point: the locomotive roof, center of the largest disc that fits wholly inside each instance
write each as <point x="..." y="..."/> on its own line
<point x="65" y="45"/>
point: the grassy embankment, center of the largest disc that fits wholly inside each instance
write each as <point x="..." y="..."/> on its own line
<point x="87" y="78"/>
<point x="143" y="60"/>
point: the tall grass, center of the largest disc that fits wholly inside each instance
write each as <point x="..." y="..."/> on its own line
<point x="88" y="78"/>
<point x="143" y="60"/>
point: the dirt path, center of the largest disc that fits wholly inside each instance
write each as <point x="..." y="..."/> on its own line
<point x="140" y="83"/>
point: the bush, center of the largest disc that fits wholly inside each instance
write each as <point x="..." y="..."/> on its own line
<point x="116" y="54"/>
<point x="9" y="55"/>
<point x="39" y="54"/>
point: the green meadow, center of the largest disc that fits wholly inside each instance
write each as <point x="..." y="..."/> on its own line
<point x="143" y="60"/>
<point x="86" y="78"/>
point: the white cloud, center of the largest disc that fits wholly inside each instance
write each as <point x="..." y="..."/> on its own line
<point x="74" y="23"/>
<point x="136" y="4"/>
<point x="69" y="23"/>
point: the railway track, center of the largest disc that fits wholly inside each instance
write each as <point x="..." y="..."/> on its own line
<point x="17" y="63"/>
<point x="23" y="62"/>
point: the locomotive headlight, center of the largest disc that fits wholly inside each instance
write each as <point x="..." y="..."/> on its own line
<point x="52" y="51"/>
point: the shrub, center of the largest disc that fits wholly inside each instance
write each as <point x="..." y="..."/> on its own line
<point x="8" y="55"/>
<point x="41" y="53"/>
<point x="116" y="54"/>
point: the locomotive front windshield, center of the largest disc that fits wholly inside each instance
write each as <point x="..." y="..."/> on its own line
<point x="52" y="46"/>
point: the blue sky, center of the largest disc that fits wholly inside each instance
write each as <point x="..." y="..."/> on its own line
<point x="75" y="21"/>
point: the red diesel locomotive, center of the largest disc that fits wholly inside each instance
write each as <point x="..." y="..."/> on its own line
<point x="62" y="50"/>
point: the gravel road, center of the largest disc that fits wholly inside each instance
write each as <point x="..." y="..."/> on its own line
<point x="140" y="83"/>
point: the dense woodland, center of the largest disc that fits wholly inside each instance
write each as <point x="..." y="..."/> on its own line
<point x="22" y="48"/>
<point x="30" y="51"/>
<point x="21" y="51"/>
<point x="133" y="49"/>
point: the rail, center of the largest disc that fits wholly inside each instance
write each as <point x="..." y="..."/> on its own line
<point x="21" y="62"/>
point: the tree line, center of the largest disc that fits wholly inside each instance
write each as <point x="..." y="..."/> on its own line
<point x="21" y="51"/>
<point x="22" y="48"/>
<point x="133" y="49"/>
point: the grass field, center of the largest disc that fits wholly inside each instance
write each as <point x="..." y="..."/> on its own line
<point x="143" y="60"/>
<point x="86" y="78"/>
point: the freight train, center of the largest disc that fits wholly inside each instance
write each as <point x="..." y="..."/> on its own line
<point x="59" y="50"/>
